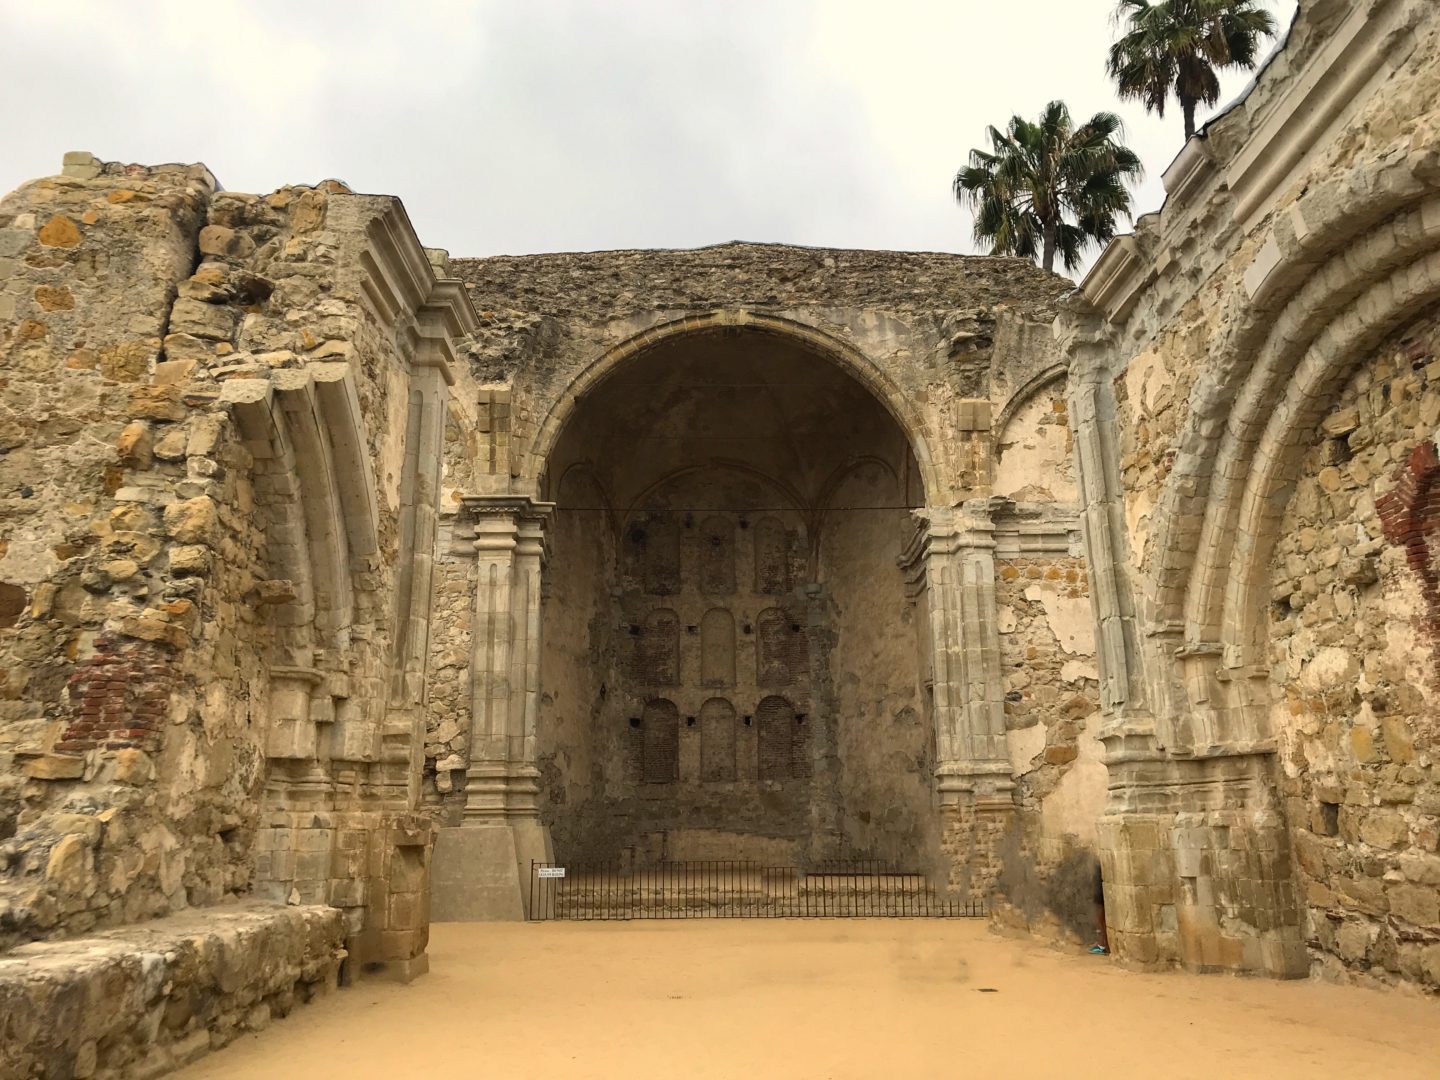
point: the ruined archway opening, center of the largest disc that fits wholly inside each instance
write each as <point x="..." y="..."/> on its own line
<point x="731" y="664"/>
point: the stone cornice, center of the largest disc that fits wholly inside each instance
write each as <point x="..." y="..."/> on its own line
<point x="1191" y="167"/>
<point x="518" y="506"/>
<point x="1114" y="282"/>
<point x="1284" y="131"/>
<point x="398" y="276"/>
<point x="945" y="530"/>
<point x="1031" y="529"/>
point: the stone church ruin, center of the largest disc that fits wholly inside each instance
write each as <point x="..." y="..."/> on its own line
<point x="342" y="581"/>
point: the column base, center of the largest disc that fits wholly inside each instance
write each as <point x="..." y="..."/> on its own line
<point x="481" y="872"/>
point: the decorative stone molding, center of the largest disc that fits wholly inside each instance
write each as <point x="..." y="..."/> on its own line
<point x="952" y="553"/>
<point x="1024" y="530"/>
<point x="1372" y="40"/>
<point x="482" y="866"/>
<point x="509" y="543"/>
<point x="1187" y="173"/>
<point x="1115" y="282"/>
<point x="1102" y="520"/>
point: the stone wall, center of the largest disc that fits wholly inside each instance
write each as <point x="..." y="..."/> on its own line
<point x="1353" y="640"/>
<point x="141" y="1001"/>
<point x="1047" y="647"/>
<point x="101" y="625"/>
<point x="938" y="328"/>
<point x="942" y="344"/>
<point x="1233" y="541"/>
<point x="216" y="426"/>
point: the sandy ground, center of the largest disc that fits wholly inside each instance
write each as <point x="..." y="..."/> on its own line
<point x="824" y="999"/>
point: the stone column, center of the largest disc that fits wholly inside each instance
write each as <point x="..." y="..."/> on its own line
<point x="953" y="559"/>
<point x="1133" y="831"/>
<point x="482" y="866"/>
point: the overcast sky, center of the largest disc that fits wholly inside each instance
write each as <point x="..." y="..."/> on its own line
<point x="519" y="126"/>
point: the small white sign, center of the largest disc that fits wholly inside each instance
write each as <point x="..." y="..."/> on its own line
<point x="552" y="871"/>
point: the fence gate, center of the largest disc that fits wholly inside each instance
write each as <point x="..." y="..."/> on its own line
<point x="738" y="890"/>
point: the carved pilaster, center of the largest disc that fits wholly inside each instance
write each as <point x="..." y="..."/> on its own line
<point x="1127" y="727"/>
<point x="952" y="558"/>
<point x="502" y="780"/>
<point x="482" y="866"/>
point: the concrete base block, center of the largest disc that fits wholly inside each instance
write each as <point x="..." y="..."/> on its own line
<point x="481" y="873"/>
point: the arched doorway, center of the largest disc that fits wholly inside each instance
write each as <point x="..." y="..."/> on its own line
<point x="723" y="592"/>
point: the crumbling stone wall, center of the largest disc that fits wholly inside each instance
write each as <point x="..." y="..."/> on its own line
<point x="141" y="1001"/>
<point x="207" y="551"/>
<point x="1047" y="645"/>
<point x="100" y="624"/>
<point x="1227" y="530"/>
<point x="1353" y="647"/>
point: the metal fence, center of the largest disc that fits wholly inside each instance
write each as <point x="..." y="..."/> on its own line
<point x="729" y="889"/>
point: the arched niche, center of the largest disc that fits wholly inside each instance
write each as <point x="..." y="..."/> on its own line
<point x="717" y="740"/>
<point x="660" y="742"/>
<point x="732" y="440"/>
<point x="716" y="555"/>
<point x="781" y="649"/>
<point x="656" y="657"/>
<point x="717" y="648"/>
<point x="652" y="550"/>
<point x="772" y="557"/>
<point x="780" y="740"/>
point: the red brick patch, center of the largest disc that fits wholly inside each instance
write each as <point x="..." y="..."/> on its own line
<point x="119" y="697"/>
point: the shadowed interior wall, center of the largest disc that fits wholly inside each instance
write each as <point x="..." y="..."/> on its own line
<point x="730" y="672"/>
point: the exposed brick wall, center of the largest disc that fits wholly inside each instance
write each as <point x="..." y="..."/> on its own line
<point x="1410" y="517"/>
<point x="781" y="735"/>
<point x="119" y="697"/>
<point x="659" y="734"/>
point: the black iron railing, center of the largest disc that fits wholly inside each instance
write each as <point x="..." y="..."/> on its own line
<point x="731" y="889"/>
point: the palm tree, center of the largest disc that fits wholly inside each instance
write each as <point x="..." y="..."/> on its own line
<point x="1176" y="46"/>
<point x="1049" y="186"/>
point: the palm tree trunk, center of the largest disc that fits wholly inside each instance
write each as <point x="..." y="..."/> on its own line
<point x="1187" y="106"/>
<point x="1047" y="256"/>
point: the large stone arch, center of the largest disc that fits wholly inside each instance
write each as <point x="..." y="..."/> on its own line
<point x="304" y="430"/>
<point x="828" y="347"/>
<point x="1341" y="269"/>
<point x="752" y="427"/>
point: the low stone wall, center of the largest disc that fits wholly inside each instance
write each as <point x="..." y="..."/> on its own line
<point x="145" y="999"/>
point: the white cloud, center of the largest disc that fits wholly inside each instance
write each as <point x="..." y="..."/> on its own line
<point x="572" y="124"/>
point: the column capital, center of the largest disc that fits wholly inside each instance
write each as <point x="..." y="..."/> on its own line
<point x="506" y="524"/>
<point x="945" y="530"/>
<point x="517" y="508"/>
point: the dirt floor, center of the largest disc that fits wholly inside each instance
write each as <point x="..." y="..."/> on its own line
<point x="837" y="998"/>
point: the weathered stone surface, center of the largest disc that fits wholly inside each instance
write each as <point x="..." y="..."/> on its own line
<point x="148" y="999"/>
<point x="139" y="681"/>
<point x="749" y="551"/>
<point x="1258" y="403"/>
<point x="192" y="521"/>
<point x="59" y="231"/>
<point x="55" y="767"/>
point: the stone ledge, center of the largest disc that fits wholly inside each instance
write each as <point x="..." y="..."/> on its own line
<point x="145" y="999"/>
